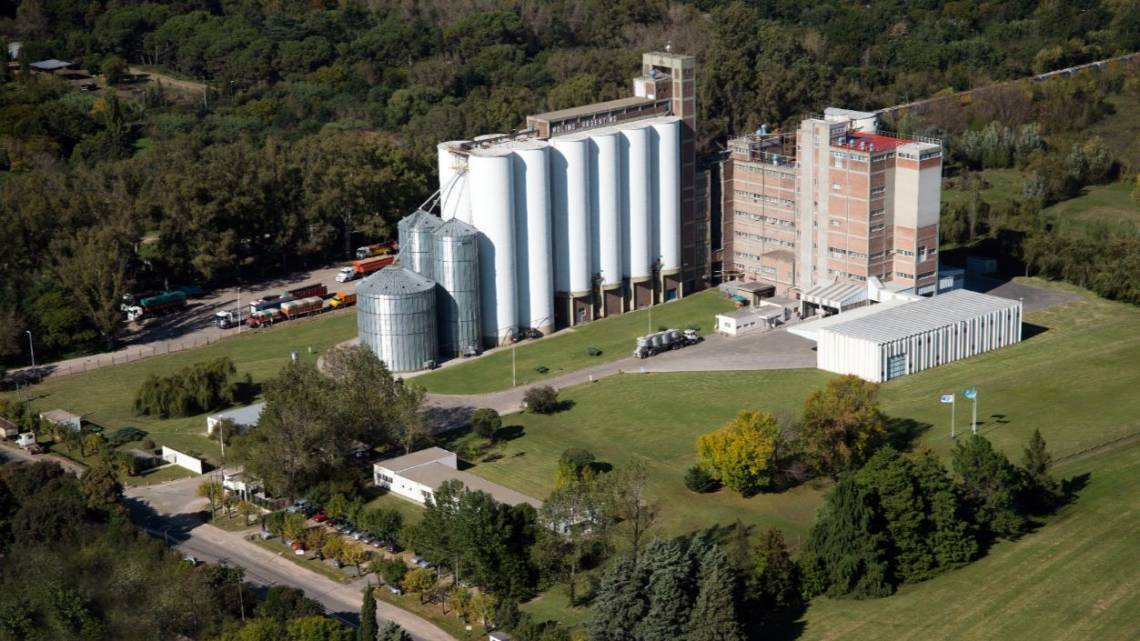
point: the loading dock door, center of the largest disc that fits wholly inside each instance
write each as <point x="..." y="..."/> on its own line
<point x="896" y="366"/>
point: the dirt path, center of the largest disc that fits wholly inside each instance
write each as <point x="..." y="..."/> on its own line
<point x="188" y="85"/>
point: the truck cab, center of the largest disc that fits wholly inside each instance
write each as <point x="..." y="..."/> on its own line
<point x="345" y="274"/>
<point x="228" y="319"/>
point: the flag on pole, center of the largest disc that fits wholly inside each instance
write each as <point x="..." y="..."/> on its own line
<point x="970" y="393"/>
<point x="947" y="398"/>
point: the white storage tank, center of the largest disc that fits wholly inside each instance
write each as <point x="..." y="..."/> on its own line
<point x="454" y="191"/>
<point x="606" y="199"/>
<point x="490" y="175"/>
<point x="667" y="223"/>
<point x="637" y="203"/>
<point x="533" y="244"/>
<point x="456" y="269"/>
<point x="395" y="318"/>
<point x="570" y="189"/>
<point x="415" y="233"/>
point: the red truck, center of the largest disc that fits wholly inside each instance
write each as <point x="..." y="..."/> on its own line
<point x="307" y="291"/>
<point x="362" y="268"/>
<point x="265" y="317"/>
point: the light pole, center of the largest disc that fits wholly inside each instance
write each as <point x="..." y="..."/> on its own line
<point x="31" y="347"/>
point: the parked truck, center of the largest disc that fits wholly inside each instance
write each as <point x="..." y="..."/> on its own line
<point x="379" y="249"/>
<point x="228" y="318"/>
<point x="302" y="307"/>
<point x="156" y="305"/>
<point x="362" y="268"/>
<point x="664" y="341"/>
<point x="265" y="317"/>
<point x="307" y="291"/>
<point x="342" y="299"/>
<point x="275" y="301"/>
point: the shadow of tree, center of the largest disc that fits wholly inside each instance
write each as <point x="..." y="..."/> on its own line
<point x="903" y="432"/>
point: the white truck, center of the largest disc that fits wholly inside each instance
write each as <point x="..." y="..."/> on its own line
<point x="666" y="340"/>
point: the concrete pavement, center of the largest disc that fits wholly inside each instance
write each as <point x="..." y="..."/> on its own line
<point x="171" y="511"/>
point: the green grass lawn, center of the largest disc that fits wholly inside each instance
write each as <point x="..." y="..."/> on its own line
<point x="568" y="350"/>
<point x="1004" y="183"/>
<point x="412" y="512"/>
<point x="1074" y="578"/>
<point x="105" y="396"/>
<point x="1102" y="208"/>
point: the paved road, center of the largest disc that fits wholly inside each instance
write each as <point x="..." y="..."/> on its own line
<point x="173" y="512"/>
<point x="10" y="453"/>
<point x="190" y="328"/>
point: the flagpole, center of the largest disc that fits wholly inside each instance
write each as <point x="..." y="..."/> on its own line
<point x="953" y="412"/>
<point x="974" y="423"/>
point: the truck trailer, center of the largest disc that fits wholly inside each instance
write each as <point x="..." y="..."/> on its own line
<point x="302" y="307"/>
<point x="663" y="341"/>
<point x="362" y="268"/>
<point x="342" y="299"/>
<point x="156" y="305"/>
<point x="379" y="249"/>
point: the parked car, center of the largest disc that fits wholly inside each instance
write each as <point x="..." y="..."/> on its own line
<point x="193" y="561"/>
<point x="395" y="589"/>
<point x="36" y="448"/>
<point x="416" y="559"/>
<point x="320" y="517"/>
<point x="392" y="548"/>
<point x="534" y="332"/>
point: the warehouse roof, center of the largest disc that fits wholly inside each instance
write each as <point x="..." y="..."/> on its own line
<point x="419" y="457"/>
<point x="59" y="417"/>
<point x="242" y="416"/>
<point x="597" y="107"/>
<point x="900" y="321"/>
<point x="837" y="294"/>
<point x="810" y="329"/>
<point x="435" y="474"/>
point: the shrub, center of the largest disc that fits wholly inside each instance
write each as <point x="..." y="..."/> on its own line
<point x="392" y="571"/>
<point x="698" y="480"/>
<point x="485" y="422"/>
<point x="542" y="399"/>
<point x="542" y="369"/>
<point x="594" y="351"/>
<point x="149" y="444"/>
<point x="740" y="453"/>
<point x="125" y="435"/>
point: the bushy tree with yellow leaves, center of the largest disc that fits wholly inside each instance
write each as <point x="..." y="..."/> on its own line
<point x="740" y="453"/>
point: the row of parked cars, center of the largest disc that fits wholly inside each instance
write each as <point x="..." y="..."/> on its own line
<point x="344" y="526"/>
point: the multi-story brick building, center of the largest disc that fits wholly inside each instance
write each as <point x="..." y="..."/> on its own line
<point x="835" y="201"/>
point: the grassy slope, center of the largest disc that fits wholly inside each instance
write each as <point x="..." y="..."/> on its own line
<point x="105" y="396"/>
<point x="1004" y="183"/>
<point x="1075" y="578"/>
<point x="567" y="351"/>
<point x="1101" y="206"/>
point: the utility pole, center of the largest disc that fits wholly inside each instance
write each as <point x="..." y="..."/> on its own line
<point x="31" y="347"/>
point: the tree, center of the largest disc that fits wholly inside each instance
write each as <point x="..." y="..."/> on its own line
<point x="573" y="464"/>
<point x="292" y="526"/>
<point x="336" y="506"/>
<point x="740" y="454"/>
<point x="1040" y="490"/>
<point x="92" y="442"/>
<point x="419" y="580"/>
<point x="777" y="582"/>
<point x="485" y="422"/>
<point x="114" y="69"/>
<point x="282" y="603"/>
<point x="697" y="479"/>
<point x="365" y="391"/>
<point x="367" y="631"/>
<point x="459" y="600"/>
<point x="842" y="424"/>
<point x="949" y="533"/>
<point x="482" y="605"/>
<point x="92" y="264"/>
<point x="847" y="550"/>
<point x="620" y="601"/>
<point x="333" y="548"/>
<point x="630" y="504"/>
<point x="989" y="484"/>
<point x="354" y="554"/>
<point x="247" y="510"/>
<point x="212" y="491"/>
<point x="392" y="571"/>
<point x="572" y="516"/>
<point x="101" y="488"/>
<point x="317" y="629"/>
<point x="541" y="399"/>
<point x="410" y="422"/>
<point x="669" y="590"/>
<point x="714" y="616"/>
<point x="393" y="632"/>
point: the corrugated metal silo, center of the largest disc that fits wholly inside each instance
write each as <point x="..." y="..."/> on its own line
<point x="532" y="234"/>
<point x="395" y="318"/>
<point x="606" y="198"/>
<point x="636" y="222"/>
<point x="492" y="197"/>
<point x="667" y="134"/>
<point x="456" y="269"/>
<point x="415" y="232"/>
<point x="570" y="187"/>
<point x="454" y="190"/>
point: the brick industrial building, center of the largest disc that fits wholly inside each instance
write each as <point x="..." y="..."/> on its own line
<point x="835" y="201"/>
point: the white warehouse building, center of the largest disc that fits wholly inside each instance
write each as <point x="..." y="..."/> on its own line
<point x="911" y="336"/>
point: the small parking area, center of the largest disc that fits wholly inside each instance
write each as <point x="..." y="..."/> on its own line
<point x="773" y="349"/>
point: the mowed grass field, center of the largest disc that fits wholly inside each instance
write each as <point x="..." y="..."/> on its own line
<point x="106" y="396"/>
<point x="1077" y="578"/>
<point x="569" y="349"/>
<point x="1102" y="207"/>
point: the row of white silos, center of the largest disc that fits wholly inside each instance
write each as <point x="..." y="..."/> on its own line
<point x="553" y="214"/>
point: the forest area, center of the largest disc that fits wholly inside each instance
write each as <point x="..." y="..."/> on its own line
<point x="318" y="124"/>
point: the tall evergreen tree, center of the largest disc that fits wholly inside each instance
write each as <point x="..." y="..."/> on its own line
<point x="620" y="602"/>
<point x="989" y="484"/>
<point x="891" y="478"/>
<point x="777" y="583"/>
<point x="714" y="616"/>
<point x="949" y="533"/>
<point x="368" y="629"/>
<point x="669" y="567"/>
<point x="848" y="544"/>
<point x="1041" y="491"/>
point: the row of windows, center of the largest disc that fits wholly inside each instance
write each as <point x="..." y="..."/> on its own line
<point x="904" y="275"/>
<point x="878" y="191"/>
<point x="842" y="274"/>
<point x="755" y="168"/>
<point x="763" y="198"/>
<point x="844" y="253"/>
<point x="875" y="213"/>
<point x="925" y="275"/>
<point x="771" y="220"/>
<point x="765" y="239"/>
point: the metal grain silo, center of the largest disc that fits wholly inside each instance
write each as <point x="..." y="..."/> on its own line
<point x="606" y="198"/>
<point x="456" y="269"/>
<point x="570" y="194"/>
<point x="636" y="207"/>
<point x="395" y="318"/>
<point x="667" y="135"/>
<point x="533" y="258"/>
<point x="415" y="232"/>
<point x="454" y="189"/>
<point x="490" y="175"/>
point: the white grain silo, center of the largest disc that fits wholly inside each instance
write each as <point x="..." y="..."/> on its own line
<point x="570" y="190"/>
<point x="606" y="199"/>
<point x="667" y="139"/>
<point x="533" y="259"/>
<point x="636" y="173"/>
<point x="454" y="188"/>
<point x="490" y="178"/>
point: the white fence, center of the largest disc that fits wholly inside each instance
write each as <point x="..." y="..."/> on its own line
<point x="192" y="463"/>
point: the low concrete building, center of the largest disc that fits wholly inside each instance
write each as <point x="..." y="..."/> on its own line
<point x="415" y="476"/>
<point x="62" y="418"/>
<point x="8" y="429"/>
<point x="242" y="417"/>
<point x="891" y="340"/>
<point x="241" y="485"/>
<point x="759" y="317"/>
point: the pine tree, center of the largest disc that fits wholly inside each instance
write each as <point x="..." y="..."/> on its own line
<point x="368" y="626"/>
<point x="714" y="616"/>
<point x="620" y="602"/>
<point x="848" y="544"/>
<point x="891" y="478"/>
<point x="951" y="539"/>
<point x="989" y="485"/>
<point x="1041" y="492"/>
<point x="778" y="577"/>
<point x="669" y="588"/>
